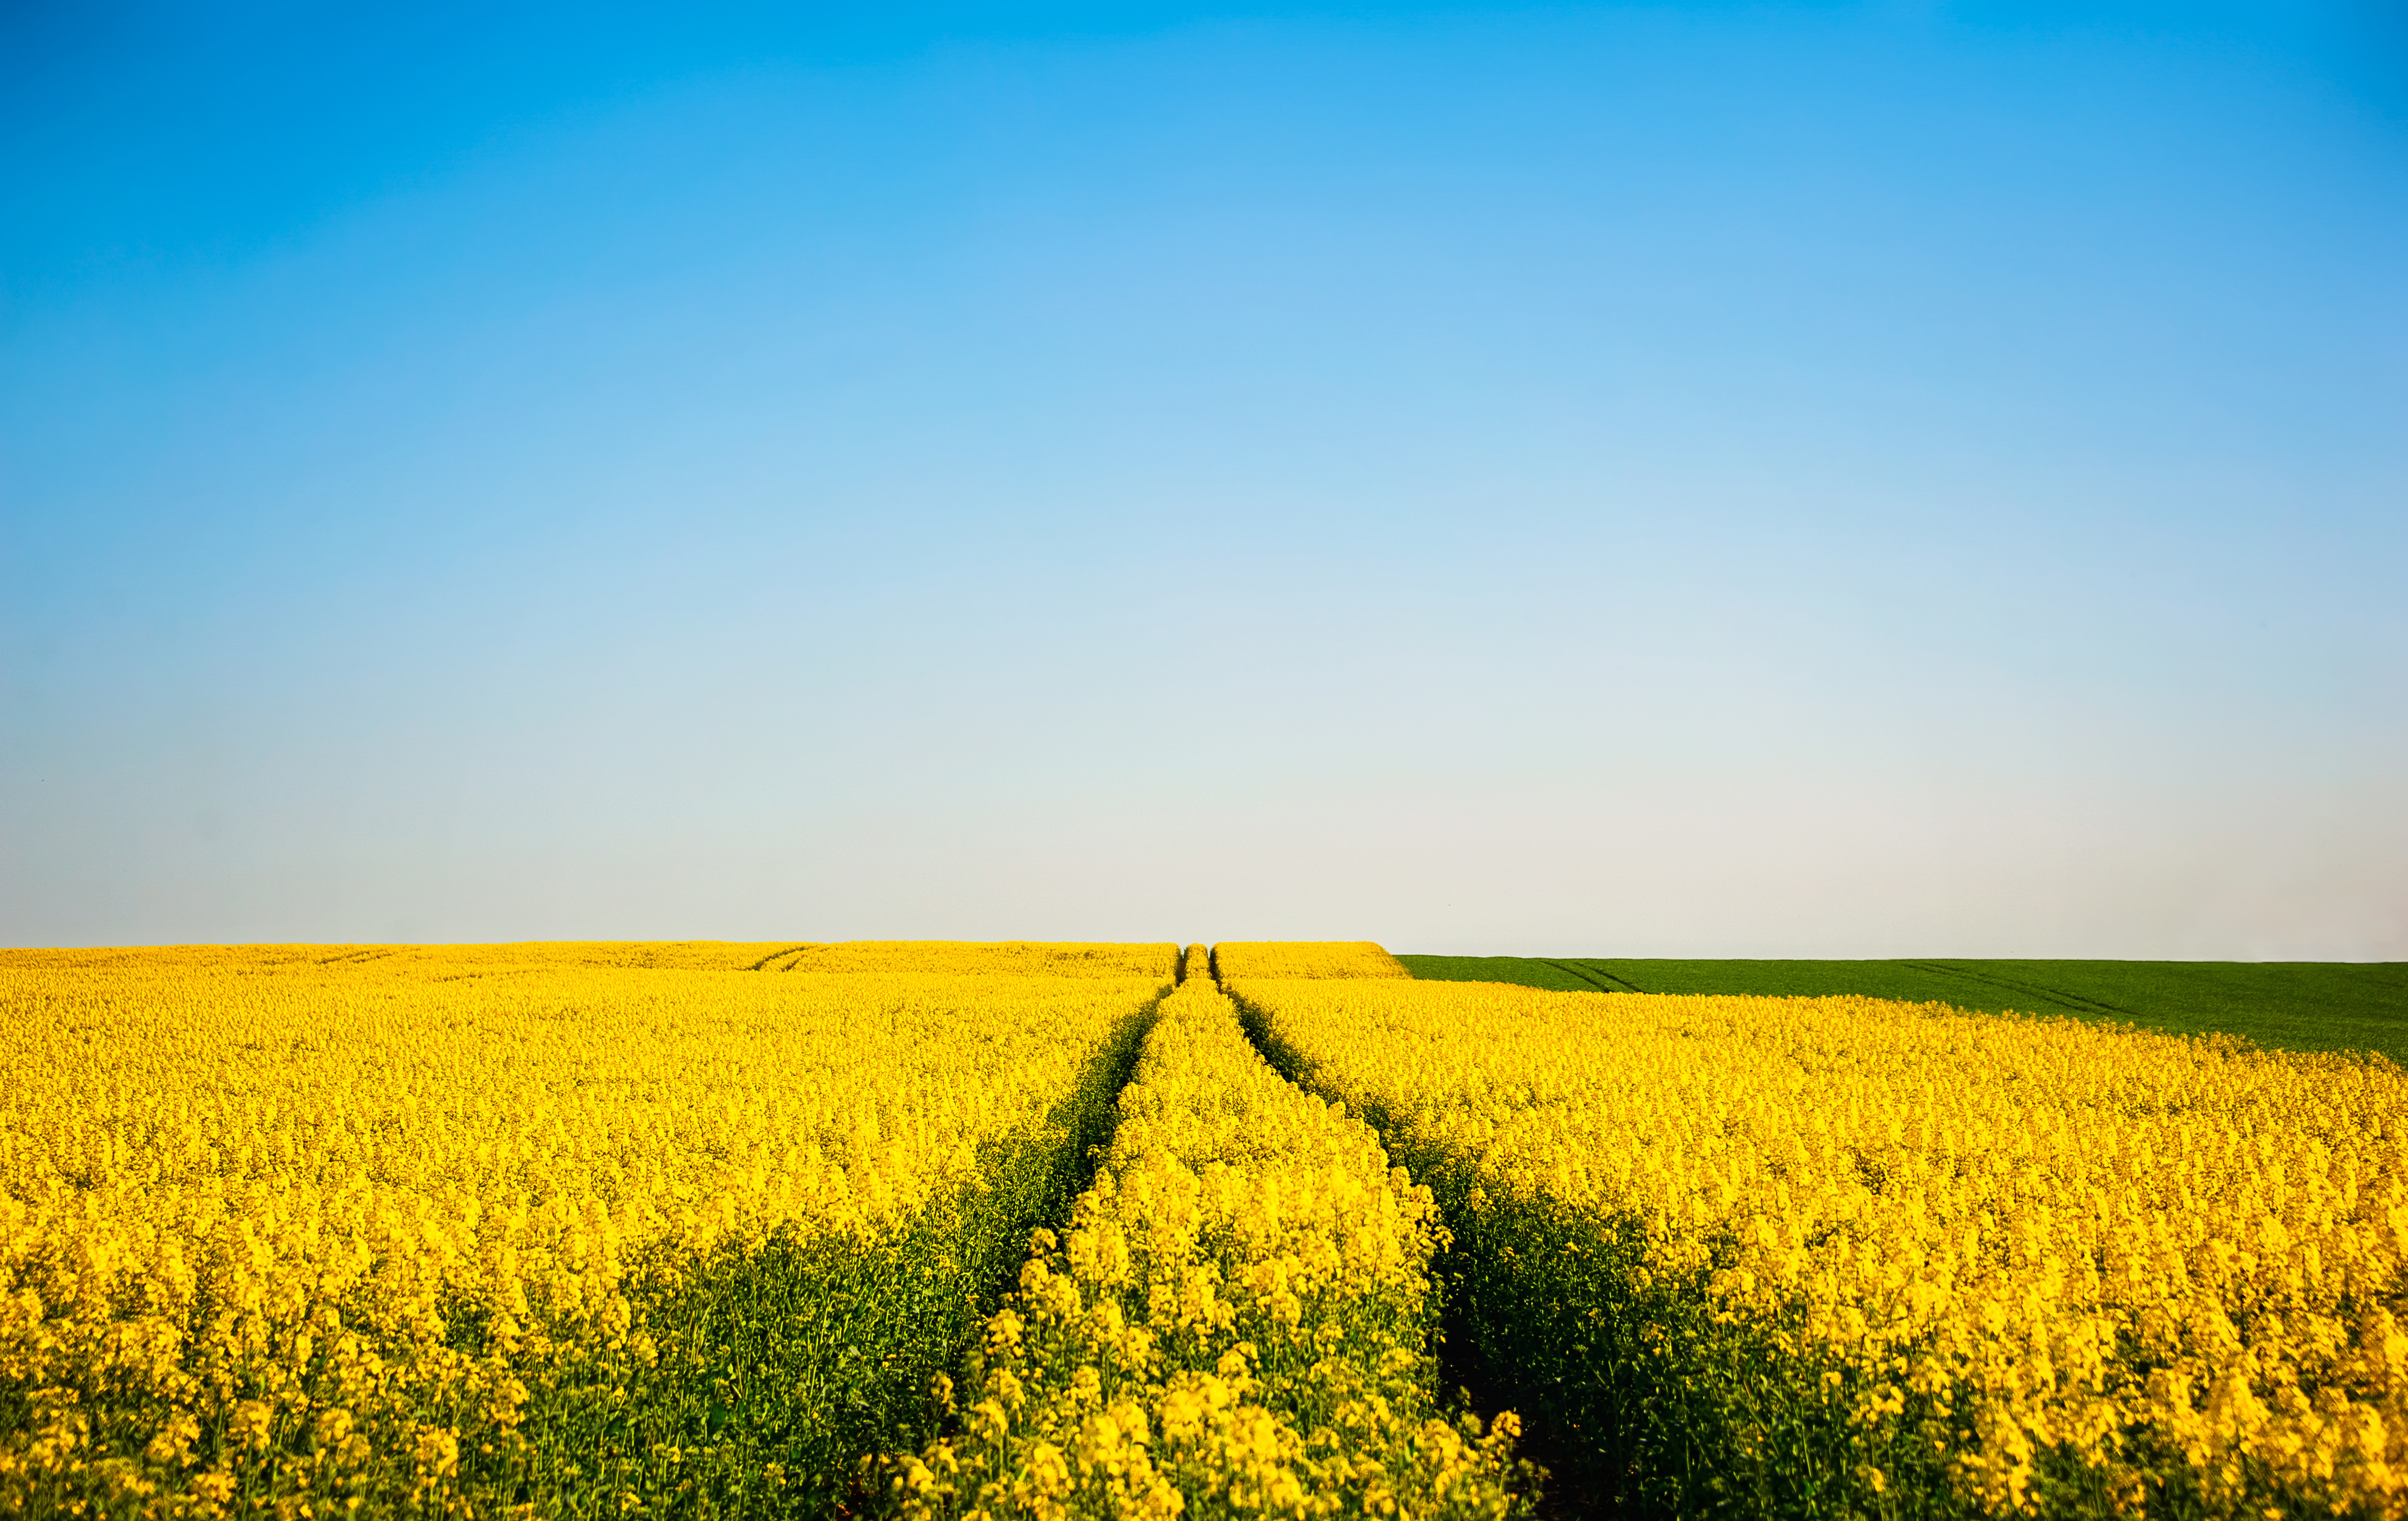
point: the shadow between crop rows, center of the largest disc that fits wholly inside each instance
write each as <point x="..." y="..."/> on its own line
<point x="1565" y="1490"/>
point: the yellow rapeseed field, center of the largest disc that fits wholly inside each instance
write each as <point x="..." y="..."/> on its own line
<point x="304" y="1229"/>
<point x="1233" y="1322"/>
<point x="689" y="1228"/>
<point x="2051" y="1265"/>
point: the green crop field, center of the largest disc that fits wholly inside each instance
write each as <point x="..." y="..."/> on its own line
<point x="2296" y="1005"/>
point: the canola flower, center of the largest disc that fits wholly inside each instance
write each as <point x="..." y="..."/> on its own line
<point x="1235" y="1320"/>
<point x="306" y="1229"/>
<point x="2055" y="1266"/>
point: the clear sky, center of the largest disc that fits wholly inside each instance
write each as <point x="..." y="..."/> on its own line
<point x="1731" y="481"/>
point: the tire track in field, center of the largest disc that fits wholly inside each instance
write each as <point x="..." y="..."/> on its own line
<point x="1093" y="1119"/>
<point x="356" y="958"/>
<point x="1604" y="982"/>
<point x="1458" y="1370"/>
<point x="1337" y="1417"/>
<point x="2075" y="1001"/>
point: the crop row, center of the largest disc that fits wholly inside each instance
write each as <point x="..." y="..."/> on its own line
<point x="1235" y="1321"/>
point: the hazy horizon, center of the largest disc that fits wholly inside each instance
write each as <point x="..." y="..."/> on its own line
<point x="1721" y="481"/>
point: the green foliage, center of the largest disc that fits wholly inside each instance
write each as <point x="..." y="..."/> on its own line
<point x="2296" y="1005"/>
<point x="778" y="1369"/>
<point x="1633" y="1396"/>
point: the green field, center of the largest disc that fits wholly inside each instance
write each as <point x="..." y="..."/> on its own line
<point x="2298" y="1005"/>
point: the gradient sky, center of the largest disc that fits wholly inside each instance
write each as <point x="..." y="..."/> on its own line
<point x="1900" y="479"/>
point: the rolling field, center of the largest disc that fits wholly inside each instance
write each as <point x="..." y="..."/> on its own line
<point x="559" y="1230"/>
<point x="2302" y="1005"/>
<point x="1058" y="1231"/>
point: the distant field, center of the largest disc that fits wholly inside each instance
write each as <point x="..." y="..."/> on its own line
<point x="2299" y="1005"/>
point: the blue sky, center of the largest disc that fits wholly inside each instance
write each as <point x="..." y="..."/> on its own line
<point x="1786" y="481"/>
